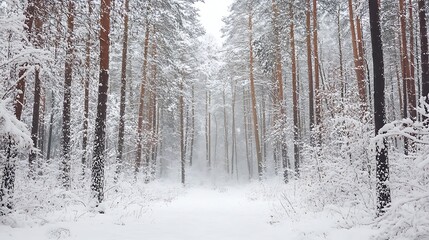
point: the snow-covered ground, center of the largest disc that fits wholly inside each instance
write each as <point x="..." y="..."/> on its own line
<point x="200" y="213"/>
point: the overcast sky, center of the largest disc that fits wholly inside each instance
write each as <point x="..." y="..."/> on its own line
<point x="211" y="13"/>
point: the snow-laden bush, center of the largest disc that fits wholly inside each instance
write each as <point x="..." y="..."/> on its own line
<point x="12" y="131"/>
<point x="337" y="167"/>
<point x="15" y="141"/>
<point x="408" y="215"/>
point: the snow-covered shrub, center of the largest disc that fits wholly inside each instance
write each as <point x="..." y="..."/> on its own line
<point x="337" y="167"/>
<point x="408" y="215"/>
<point x="15" y="141"/>
<point x="12" y="131"/>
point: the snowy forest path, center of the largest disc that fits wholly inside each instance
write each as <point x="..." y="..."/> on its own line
<point x="196" y="213"/>
<point x="214" y="214"/>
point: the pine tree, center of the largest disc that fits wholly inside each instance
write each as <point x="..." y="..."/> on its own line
<point x="424" y="52"/>
<point x="38" y="24"/>
<point x="68" y="74"/>
<point x="97" y="175"/>
<point x="382" y="165"/>
<point x="123" y="90"/>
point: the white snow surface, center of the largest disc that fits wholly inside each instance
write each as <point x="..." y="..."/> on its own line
<point x="192" y="213"/>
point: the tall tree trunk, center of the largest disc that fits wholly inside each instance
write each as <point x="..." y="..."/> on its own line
<point x="208" y="130"/>
<point x="309" y="62"/>
<point x="247" y="134"/>
<point x="42" y="126"/>
<point x="121" y="130"/>
<point x="56" y="47"/>
<point x="382" y="165"/>
<point x="405" y="62"/>
<point x="68" y="73"/>
<point x="86" y="89"/>
<point x="97" y="176"/>
<point x="340" y="49"/>
<point x="424" y="53"/>
<point x="225" y="128"/>
<point x="362" y="63"/>
<point x="191" y="150"/>
<point x="51" y="123"/>
<point x="294" y="92"/>
<point x="316" y="69"/>
<point x="411" y="80"/>
<point x="253" y="96"/>
<point x="38" y="24"/>
<point x="182" y="134"/>
<point x="405" y="67"/>
<point x="279" y="99"/>
<point x="141" y="102"/>
<point x="359" y="68"/>
<point x="154" y="123"/>
<point x="233" y="130"/>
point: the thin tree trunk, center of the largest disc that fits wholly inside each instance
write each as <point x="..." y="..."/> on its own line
<point x="340" y="48"/>
<point x="424" y="53"/>
<point x="38" y="24"/>
<point x="51" y="122"/>
<point x="233" y="131"/>
<point x="362" y="63"/>
<point x="42" y="127"/>
<point x="404" y="60"/>
<point x="141" y="103"/>
<point x="263" y="130"/>
<point x="121" y="130"/>
<point x="309" y="62"/>
<point x="154" y="112"/>
<point x="191" y="150"/>
<point x="208" y="130"/>
<point x="316" y="70"/>
<point x="182" y="134"/>
<point x="294" y="92"/>
<point x="253" y="98"/>
<point x="51" y="118"/>
<point x="86" y="90"/>
<point x="225" y="127"/>
<point x="398" y="78"/>
<point x="411" y="80"/>
<point x="97" y="176"/>
<point x="246" y="134"/>
<point x="359" y="69"/>
<point x="279" y="99"/>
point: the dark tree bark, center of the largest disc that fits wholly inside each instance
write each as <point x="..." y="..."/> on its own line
<point x="38" y="23"/>
<point x="382" y="165"/>
<point x="50" y="131"/>
<point x="294" y="92"/>
<point x="68" y="73"/>
<point x="123" y="90"/>
<point x="97" y="175"/>
<point x="424" y="53"/>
